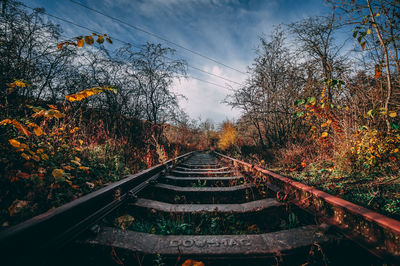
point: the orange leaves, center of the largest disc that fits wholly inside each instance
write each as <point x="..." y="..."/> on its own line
<point x="38" y="131"/>
<point x="26" y="156"/>
<point x="60" y="45"/>
<point x="80" y="40"/>
<point x="190" y="262"/>
<point x="89" y="40"/>
<point x="378" y="71"/>
<point x="324" y="135"/>
<point x="87" y="93"/>
<point x="17" y="125"/>
<point x="74" y="130"/>
<point x="80" y="43"/>
<point x="58" y="174"/>
<point x="228" y="136"/>
<point x="14" y="143"/>
<point x="21" y="128"/>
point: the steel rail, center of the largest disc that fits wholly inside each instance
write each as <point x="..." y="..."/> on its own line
<point x="375" y="232"/>
<point x="34" y="241"/>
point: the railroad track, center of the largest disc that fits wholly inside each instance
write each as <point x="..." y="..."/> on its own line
<point x="206" y="207"/>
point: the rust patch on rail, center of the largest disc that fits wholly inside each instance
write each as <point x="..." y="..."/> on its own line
<point x="378" y="233"/>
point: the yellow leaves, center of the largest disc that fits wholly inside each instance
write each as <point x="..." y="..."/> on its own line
<point x="392" y="114"/>
<point x="124" y="221"/>
<point x="228" y="136"/>
<point x="20" y="83"/>
<point x="327" y="123"/>
<point x="50" y="113"/>
<point x="58" y="174"/>
<point x="38" y="131"/>
<point x="74" y="130"/>
<point x="17" y="206"/>
<point x="53" y="113"/>
<point x="14" y="143"/>
<point x="76" y="162"/>
<point x="87" y="93"/>
<point x="81" y="142"/>
<point x="26" y="156"/>
<point x="324" y="135"/>
<point x="369" y="31"/>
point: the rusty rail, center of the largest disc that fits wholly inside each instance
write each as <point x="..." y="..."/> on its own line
<point x="373" y="231"/>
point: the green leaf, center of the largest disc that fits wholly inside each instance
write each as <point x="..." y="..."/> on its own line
<point x="394" y="126"/>
<point x="299" y="102"/>
<point x="355" y="34"/>
<point x="371" y="113"/>
<point x="311" y="100"/>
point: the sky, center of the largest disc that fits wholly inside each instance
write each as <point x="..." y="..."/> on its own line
<point x="224" y="30"/>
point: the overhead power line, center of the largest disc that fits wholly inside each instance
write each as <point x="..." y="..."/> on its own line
<point x="157" y="36"/>
<point x="137" y="46"/>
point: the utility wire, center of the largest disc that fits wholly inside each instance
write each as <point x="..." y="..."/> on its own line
<point x="137" y="46"/>
<point x="156" y="36"/>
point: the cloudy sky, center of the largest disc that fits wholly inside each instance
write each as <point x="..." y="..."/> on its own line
<point x="224" y="30"/>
